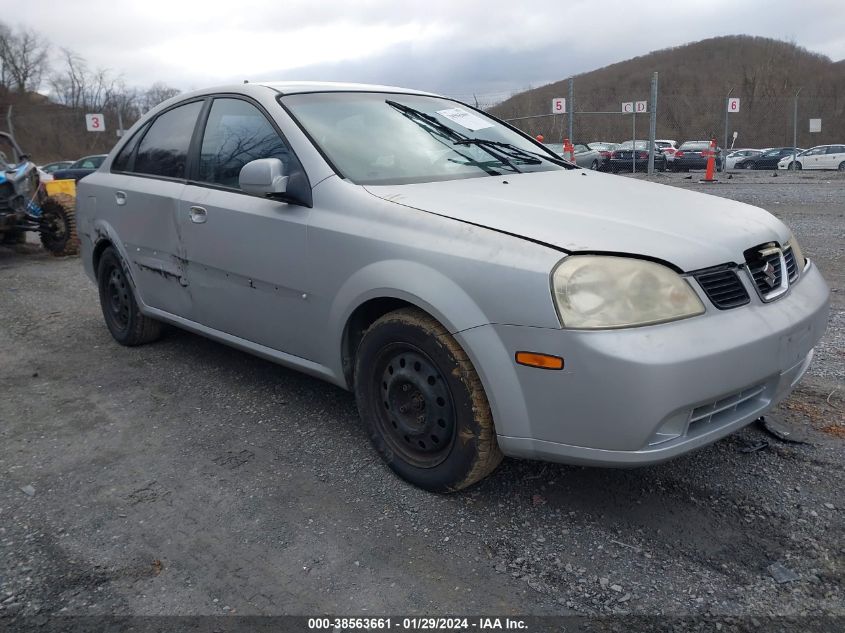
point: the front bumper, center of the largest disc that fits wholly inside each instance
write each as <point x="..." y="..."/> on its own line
<point x="643" y="395"/>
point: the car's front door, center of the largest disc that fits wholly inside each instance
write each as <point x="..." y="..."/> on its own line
<point x="245" y="254"/>
<point x="813" y="159"/>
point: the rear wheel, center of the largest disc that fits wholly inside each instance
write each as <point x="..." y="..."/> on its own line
<point x="423" y="404"/>
<point x="841" y="166"/>
<point x="120" y="310"/>
<point x="58" y="225"/>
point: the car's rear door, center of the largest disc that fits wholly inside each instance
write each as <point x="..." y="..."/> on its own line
<point x="246" y="255"/>
<point x="834" y="156"/>
<point x="148" y="177"/>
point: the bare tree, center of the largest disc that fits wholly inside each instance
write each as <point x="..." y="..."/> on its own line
<point x="24" y="57"/>
<point x="155" y="94"/>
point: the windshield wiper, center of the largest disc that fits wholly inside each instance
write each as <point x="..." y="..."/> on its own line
<point x="438" y="129"/>
<point x="517" y="152"/>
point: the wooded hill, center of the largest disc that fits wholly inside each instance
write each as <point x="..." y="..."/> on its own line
<point x="694" y="80"/>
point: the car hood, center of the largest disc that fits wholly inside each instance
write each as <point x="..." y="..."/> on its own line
<point x="585" y="211"/>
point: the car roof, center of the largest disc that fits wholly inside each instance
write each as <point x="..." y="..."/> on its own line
<point x="298" y="87"/>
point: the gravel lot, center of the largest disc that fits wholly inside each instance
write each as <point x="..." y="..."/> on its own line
<point x="187" y="478"/>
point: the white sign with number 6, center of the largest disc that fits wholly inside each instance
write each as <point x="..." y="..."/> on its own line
<point x="733" y="104"/>
<point x="558" y="105"/>
<point x="95" y="123"/>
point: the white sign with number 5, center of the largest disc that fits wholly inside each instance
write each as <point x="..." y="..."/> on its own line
<point x="558" y="105"/>
<point x="733" y="104"/>
<point x="95" y="123"/>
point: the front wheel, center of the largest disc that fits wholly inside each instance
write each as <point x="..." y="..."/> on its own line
<point x="595" y="165"/>
<point x="423" y="404"/>
<point x="841" y="166"/>
<point x="127" y="325"/>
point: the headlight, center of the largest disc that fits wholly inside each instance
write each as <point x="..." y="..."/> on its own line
<point x="796" y="251"/>
<point x="594" y="292"/>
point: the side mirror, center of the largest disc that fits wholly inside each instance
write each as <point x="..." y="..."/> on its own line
<point x="264" y="177"/>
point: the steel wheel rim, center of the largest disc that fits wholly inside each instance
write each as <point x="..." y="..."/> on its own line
<point x="118" y="304"/>
<point x="415" y="408"/>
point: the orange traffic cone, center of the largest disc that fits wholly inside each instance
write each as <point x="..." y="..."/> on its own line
<point x="711" y="163"/>
<point x="569" y="148"/>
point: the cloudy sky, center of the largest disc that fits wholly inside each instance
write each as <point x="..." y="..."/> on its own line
<point x="458" y="47"/>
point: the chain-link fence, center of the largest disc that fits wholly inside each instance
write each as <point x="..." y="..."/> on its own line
<point x="754" y="121"/>
<point x="48" y="132"/>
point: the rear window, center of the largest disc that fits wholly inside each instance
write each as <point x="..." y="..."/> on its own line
<point x="695" y="146"/>
<point x="164" y="149"/>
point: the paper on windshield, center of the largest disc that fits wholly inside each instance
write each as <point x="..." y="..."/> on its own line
<point x="464" y="119"/>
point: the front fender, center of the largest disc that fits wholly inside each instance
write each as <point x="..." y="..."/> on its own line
<point x="409" y="281"/>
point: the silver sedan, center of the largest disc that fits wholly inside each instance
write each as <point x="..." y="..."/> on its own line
<point x="480" y="296"/>
<point x="585" y="156"/>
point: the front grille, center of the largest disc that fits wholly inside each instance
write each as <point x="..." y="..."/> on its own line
<point x="727" y="409"/>
<point x="791" y="267"/>
<point x="723" y="287"/>
<point x="766" y="269"/>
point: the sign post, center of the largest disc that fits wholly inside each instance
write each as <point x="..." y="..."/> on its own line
<point x="558" y="107"/>
<point x="632" y="108"/>
<point x="95" y="123"/>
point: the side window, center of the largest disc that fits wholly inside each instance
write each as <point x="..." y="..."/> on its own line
<point x="236" y="133"/>
<point x="835" y="149"/>
<point x="164" y="149"/>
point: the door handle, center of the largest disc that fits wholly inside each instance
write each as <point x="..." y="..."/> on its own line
<point x="198" y="215"/>
<point x="120" y="198"/>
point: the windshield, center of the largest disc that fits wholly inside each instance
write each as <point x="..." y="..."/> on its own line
<point x="380" y="138"/>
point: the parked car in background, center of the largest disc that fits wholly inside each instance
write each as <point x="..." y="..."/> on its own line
<point x="588" y="157"/>
<point x="585" y="156"/>
<point x="819" y="157"/>
<point x="736" y="155"/>
<point x="667" y="146"/>
<point x="604" y="148"/>
<point x="59" y="164"/>
<point x="80" y="168"/>
<point x="694" y="155"/>
<point x="492" y="300"/>
<point x="768" y="159"/>
<point x="622" y="159"/>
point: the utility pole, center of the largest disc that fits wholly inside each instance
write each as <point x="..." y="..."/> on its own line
<point x="652" y="124"/>
<point x="727" y="104"/>
<point x="570" y="108"/>
<point x="795" y="131"/>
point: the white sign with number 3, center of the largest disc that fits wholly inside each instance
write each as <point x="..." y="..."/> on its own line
<point x="558" y="105"/>
<point x="95" y="123"/>
<point x="733" y="104"/>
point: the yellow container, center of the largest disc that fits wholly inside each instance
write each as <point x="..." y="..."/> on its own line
<point x="61" y="186"/>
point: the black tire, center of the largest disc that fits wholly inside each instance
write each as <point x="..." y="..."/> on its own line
<point x="58" y="225"/>
<point x="594" y="165"/>
<point x="841" y="166"/>
<point x="423" y="404"/>
<point x="120" y="310"/>
<point x="795" y="165"/>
